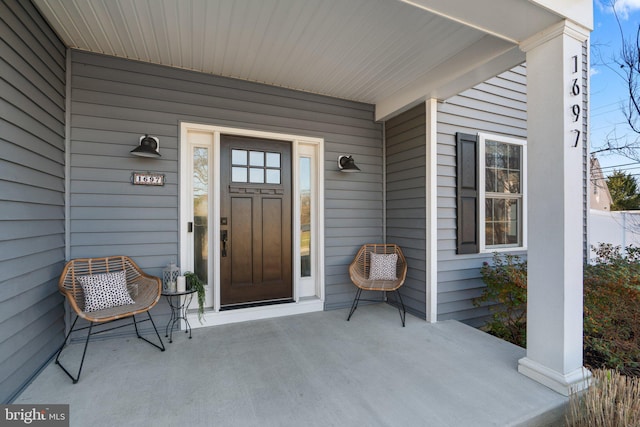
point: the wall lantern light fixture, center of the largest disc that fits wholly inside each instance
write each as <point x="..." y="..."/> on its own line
<point x="347" y="164"/>
<point x="149" y="146"/>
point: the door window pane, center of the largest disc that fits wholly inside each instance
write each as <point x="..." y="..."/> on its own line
<point x="238" y="174"/>
<point x="238" y="157"/>
<point x="273" y="176"/>
<point x="256" y="176"/>
<point x="273" y="160"/>
<point x="256" y="158"/>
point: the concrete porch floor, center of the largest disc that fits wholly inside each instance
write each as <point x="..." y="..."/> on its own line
<point x="306" y="370"/>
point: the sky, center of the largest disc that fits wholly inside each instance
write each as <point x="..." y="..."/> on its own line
<point x="608" y="89"/>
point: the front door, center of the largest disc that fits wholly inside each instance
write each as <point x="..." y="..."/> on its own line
<point x="255" y="221"/>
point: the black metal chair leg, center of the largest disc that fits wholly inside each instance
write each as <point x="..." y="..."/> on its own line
<point x="66" y="338"/>
<point x="403" y="312"/>
<point x="355" y="303"/>
<point x="84" y="352"/>
<point x="135" y="324"/>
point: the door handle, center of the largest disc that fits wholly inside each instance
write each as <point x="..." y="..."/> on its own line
<point x="223" y="239"/>
<point x="190" y="227"/>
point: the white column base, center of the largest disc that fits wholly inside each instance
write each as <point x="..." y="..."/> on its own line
<point x="565" y="384"/>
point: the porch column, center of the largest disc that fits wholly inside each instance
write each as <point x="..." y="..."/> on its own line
<point x="555" y="207"/>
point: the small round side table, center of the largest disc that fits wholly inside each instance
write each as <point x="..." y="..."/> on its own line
<point x="178" y="307"/>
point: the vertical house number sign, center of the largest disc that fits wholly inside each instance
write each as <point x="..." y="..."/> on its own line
<point x="575" y="92"/>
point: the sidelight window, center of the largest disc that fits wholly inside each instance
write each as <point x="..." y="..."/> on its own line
<point x="305" y="216"/>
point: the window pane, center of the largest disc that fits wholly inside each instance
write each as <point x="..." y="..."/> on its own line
<point x="513" y="210"/>
<point x="499" y="235"/>
<point x="501" y="181"/>
<point x="273" y="176"/>
<point x="238" y="157"/>
<point x="490" y="154"/>
<point x="514" y="182"/>
<point x="514" y="156"/>
<point x="502" y="155"/>
<point x="256" y="176"/>
<point x="490" y="180"/>
<point x="488" y="234"/>
<point x="498" y="210"/>
<point x="238" y="174"/>
<point x="256" y="158"/>
<point x="305" y="217"/>
<point x="512" y="235"/>
<point x="273" y="160"/>
<point x="488" y="213"/>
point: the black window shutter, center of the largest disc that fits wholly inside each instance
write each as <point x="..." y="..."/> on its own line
<point x="467" y="193"/>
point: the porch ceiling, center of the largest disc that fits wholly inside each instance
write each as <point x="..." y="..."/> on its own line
<point x="383" y="52"/>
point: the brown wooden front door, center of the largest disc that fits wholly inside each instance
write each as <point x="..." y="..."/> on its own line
<point x="255" y="221"/>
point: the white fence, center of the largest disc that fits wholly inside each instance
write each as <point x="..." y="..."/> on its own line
<point x="621" y="228"/>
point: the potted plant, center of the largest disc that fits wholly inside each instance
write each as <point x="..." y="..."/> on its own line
<point x="194" y="282"/>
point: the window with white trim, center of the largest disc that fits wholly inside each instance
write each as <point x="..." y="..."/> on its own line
<point x="502" y="192"/>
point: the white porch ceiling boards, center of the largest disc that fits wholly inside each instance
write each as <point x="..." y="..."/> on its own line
<point x="374" y="51"/>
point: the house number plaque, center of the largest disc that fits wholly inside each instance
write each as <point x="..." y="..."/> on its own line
<point x="576" y="111"/>
<point x="146" y="178"/>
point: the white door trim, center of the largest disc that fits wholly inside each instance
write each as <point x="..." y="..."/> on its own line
<point x="301" y="146"/>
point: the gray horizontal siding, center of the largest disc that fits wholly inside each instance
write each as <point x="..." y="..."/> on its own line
<point x="117" y="100"/>
<point x="32" y="114"/>
<point x="405" y="200"/>
<point x="496" y="106"/>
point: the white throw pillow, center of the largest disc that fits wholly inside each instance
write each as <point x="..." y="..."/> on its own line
<point x="106" y="290"/>
<point x="383" y="266"/>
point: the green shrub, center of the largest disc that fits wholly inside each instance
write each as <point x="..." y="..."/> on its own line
<point x="506" y="280"/>
<point x="612" y="310"/>
<point x="612" y="400"/>
<point x="611" y="306"/>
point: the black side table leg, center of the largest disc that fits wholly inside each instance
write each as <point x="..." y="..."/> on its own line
<point x="178" y="311"/>
<point x="187" y="325"/>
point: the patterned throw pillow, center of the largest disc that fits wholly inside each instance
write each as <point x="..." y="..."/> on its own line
<point x="383" y="266"/>
<point x="105" y="291"/>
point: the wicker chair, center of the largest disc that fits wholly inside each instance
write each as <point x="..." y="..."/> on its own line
<point x="359" y="272"/>
<point x="144" y="290"/>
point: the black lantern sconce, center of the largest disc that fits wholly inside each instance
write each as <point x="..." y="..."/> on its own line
<point x="347" y="164"/>
<point x="149" y="146"/>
